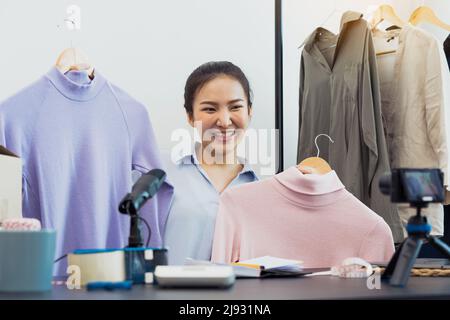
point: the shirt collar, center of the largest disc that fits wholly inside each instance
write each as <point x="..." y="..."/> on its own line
<point x="309" y="190"/>
<point x="347" y="17"/>
<point x="309" y="184"/>
<point x="402" y="33"/>
<point x="309" y="42"/>
<point x="189" y="157"/>
<point x="76" y="85"/>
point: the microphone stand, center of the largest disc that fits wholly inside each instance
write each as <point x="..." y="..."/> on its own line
<point x="135" y="237"/>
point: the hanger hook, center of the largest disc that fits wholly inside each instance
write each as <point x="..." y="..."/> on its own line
<point x="71" y="40"/>
<point x="315" y="142"/>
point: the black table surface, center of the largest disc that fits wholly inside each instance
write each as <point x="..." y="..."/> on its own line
<point x="320" y="287"/>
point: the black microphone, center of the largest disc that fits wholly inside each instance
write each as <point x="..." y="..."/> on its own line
<point x="144" y="189"/>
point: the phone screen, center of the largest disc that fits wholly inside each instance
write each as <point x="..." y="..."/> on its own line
<point x="423" y="185"/>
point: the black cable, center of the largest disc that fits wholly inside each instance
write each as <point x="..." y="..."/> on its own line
<point x="149" y="230"/>
<point x="60" y="258"/>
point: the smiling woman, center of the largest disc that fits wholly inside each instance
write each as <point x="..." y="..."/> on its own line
<point x="218" y="105"/>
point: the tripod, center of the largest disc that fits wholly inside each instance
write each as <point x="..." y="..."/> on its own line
<point x="399" y="268"/>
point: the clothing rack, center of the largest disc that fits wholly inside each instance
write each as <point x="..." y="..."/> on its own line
<point x="279" y="84"/>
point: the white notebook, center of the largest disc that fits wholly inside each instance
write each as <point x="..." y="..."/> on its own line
<point x="273" y="263"/>
<point x="260" y="267"/>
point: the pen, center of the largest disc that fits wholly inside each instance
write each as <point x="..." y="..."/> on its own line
<point x="99" y="285"/>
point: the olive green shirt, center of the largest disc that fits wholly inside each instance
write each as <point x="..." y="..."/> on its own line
<point x="339" y="96"/>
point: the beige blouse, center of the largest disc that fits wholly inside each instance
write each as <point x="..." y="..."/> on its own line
<point x="413" y="106"/>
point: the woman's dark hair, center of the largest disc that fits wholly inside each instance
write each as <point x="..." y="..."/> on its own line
<point x="207" y="72"/>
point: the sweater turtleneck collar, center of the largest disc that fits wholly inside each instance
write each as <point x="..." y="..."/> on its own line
<point x="309" y="189"/>
<point x="76" y="85"/>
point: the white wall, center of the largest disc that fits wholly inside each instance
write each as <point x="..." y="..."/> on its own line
<point x="147" y="47"/>
<point x="300" y="18"/>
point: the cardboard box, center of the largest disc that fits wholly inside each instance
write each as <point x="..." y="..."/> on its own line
<point x="10" y="185"/>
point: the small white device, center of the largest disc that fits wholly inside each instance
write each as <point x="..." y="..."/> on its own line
<point x="194" y="276"/>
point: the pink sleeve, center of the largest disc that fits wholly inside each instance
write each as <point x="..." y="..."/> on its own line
<point x="378" y="245"/>
<point x="226" y="237"/>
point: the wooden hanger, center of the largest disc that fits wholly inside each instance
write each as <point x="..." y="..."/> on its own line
<point x="318" y="164"/>
<point x="426" y="14"/>
<point x="74" y="59"/>
<point x="386" y="12"/>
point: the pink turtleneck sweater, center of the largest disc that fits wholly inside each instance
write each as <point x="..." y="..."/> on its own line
<point x="311" y="218"/>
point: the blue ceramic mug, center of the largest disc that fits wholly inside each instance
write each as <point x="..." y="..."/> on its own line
<point x="26" y="260"/>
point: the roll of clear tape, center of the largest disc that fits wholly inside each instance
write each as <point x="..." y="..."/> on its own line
<point x="353" y="268"/>
<point x="349" y="268"/>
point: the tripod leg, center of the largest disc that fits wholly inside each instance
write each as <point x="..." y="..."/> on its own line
<point x="387" y="274"/>
<point x="440" y="245"/>
<point x="401" y="268"/>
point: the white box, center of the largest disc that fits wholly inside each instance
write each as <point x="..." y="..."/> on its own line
<point x="195" y="276"/>
<point x="10" y="185"/>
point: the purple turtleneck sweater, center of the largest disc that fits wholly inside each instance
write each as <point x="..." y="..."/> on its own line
<point x="79" y="140"/>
